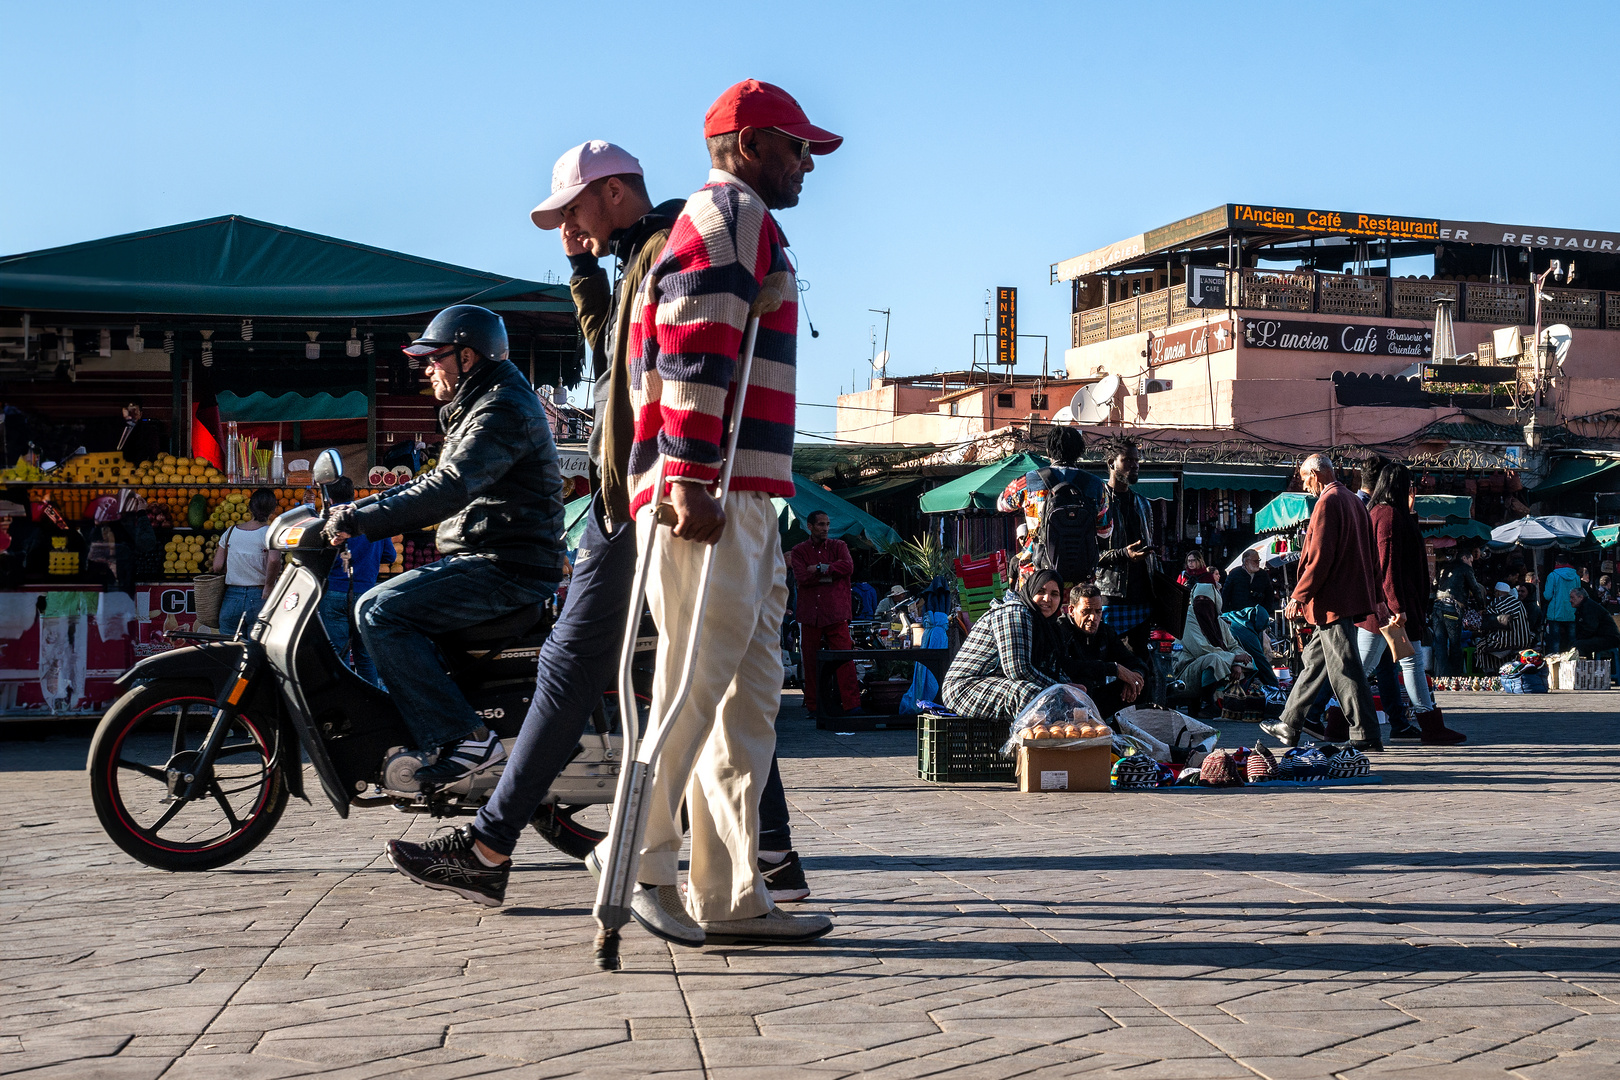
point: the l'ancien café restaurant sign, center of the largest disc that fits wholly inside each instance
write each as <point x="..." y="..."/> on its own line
<point x="1182" y="344"/>
<point x="1363" y="338"/>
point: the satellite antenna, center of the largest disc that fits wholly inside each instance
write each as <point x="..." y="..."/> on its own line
<point x="881" y="360"/>
<point x="1093" y="404"/>
<point x="1557" y="337"/>
<point x="1064" y="415"/>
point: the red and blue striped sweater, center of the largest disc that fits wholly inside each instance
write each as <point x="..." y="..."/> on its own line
<point x="725" y="254"/>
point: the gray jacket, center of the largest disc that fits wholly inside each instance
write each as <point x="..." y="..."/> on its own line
<point x="497" y="490"/>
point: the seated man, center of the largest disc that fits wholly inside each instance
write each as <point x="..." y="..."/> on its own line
<point x="496" y="495"/>
<point x="1097" y="657"/>
<point x="1504" y="629"/>
<point x="1596" y="634"/>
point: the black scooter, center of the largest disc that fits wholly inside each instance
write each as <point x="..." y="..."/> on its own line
<point x="191" y="768"/>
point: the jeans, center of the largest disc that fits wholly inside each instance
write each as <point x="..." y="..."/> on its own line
<point x="238" y="608"/>
<point x="336" y="611"/>
<point x="1417" y="682"/>
<point x="1332" y="659"/>
<point x="399" y="619"/>
<point x="578" y="663"/>
<point x="775" y="832"/>
<point x="1446" y="627"/>
<point x="1560" y="635"/>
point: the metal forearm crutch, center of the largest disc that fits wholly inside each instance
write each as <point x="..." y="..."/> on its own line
<point x="630" y="805"/>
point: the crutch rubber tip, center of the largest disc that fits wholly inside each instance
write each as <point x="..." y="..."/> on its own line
<point x="607" y="950"/>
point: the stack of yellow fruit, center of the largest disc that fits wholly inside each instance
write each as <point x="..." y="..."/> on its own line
<point x="231" y="510"/>
<point x="23" y="472"/>
<point x="60" y="561"/>
<point x="107" y="467"/>
<point x="188" y="553"/>
<point x="168" y="469"/>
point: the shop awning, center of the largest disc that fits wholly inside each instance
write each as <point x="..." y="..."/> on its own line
<point x="978" y="489"/>
<point x="1571" y="474"/>
<point x="1442" y="507"/>
<point x="236" y="266"/>
<point x="849" y="523"/>
<point x="1287" y="510"/>
<point x="1607" y="535"/>
<point x="1234" y="478"/>
<point x="1460" y="529"/>
<point x="262" y="408"/>
<point x="885" y="489"/>
<point x="1161" y="487"/>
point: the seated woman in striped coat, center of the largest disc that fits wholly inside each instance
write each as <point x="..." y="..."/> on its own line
<point x="1009" y="654"/>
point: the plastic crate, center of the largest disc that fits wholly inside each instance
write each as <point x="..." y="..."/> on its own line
<point x="962" y="750"/>
<point x="978" y="573"/>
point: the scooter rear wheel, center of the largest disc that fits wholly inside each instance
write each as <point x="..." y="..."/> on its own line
<point x="556" y="825"/>
<point x="145" y="746"/>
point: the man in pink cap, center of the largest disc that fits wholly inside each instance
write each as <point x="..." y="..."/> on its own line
<point x="726" y="259"/>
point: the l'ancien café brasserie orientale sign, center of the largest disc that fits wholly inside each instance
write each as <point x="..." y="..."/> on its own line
<point x="1185" y="344"/>
<point x="1363" y="338"/>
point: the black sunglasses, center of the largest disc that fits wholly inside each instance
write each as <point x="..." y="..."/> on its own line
<point x="804" y="144"/>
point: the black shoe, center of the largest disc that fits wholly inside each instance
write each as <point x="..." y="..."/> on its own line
<point x="1366" y="745"/>
<point x="785" y="879"/>
<point x="1281" y="732"/>
<point x="1403" y="731"/>
<point x="449" y="862"/>
<point x="462" y="758"/>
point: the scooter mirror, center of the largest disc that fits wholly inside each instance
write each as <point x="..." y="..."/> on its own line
<point x="328" y="467"/>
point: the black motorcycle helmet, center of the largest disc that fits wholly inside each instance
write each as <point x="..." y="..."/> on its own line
<point x="463" y="326"/>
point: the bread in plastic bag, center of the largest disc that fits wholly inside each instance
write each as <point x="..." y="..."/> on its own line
<point x="1061" y="705"/>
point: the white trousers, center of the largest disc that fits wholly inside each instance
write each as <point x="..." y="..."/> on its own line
<point x="719" y="752"/>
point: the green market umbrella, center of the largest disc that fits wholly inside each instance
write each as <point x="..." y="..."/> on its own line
<point x="978" y="489"/>
<point x="849" y="522"/>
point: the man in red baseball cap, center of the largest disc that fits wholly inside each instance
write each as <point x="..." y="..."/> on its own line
<point x="726" y="260"/>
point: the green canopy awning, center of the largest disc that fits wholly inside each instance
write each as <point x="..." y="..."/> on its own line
<point x="1443" y="507"/>
<point x="1460" y="529"/>
<point x="1607" y="535"/>
<point x="574" y="520"/>
<point x="893" y="486"/>
<point x="1156" y="487"/>
<point x="1287" y="510"/>
<point x="1234" y="478"/>
<point x="236" y="266"/>
<point x="850" y="523"/>
<point x="1572" y="474"/>
<point x="261" y="408"/>
<point x="978" y="489"/>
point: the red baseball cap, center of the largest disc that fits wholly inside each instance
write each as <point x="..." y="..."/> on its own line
<point x="756" y="104"/>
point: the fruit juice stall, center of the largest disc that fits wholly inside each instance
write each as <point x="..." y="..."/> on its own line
<point x="190" y="366"/>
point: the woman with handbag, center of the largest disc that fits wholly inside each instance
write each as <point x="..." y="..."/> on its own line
<point x="1403" y="577"/>
<point x="248" y="564"/>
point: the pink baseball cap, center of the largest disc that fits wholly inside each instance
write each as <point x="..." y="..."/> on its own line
<point x="575" y="171"/>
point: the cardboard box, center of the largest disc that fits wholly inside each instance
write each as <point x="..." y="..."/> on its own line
<point x="1052" y="769"/>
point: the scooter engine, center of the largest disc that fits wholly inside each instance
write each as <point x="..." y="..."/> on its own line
<point x="399" y="771"/>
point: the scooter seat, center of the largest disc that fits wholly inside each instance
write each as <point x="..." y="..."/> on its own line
<point x="508" y="627"/>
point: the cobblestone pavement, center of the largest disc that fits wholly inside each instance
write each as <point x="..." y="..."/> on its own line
<point x="1458" y="921"/>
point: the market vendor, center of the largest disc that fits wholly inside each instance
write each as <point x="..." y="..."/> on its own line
<point x="1595" y="631"/>
<point x="1013" y="652"/>
<point x="1096" y="657"/>
<point x="1210" y="656"/>
<point x="1504" y="630"/>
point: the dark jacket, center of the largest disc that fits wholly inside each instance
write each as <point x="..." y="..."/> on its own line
<point x="1459" y="585"/>
<point x="1115" y="570"/>
<point x="1241" y="591"/>
<point x="1337" y="567"/>
<point x="1089" y="659"/>
<point x="605" y="313"/>
<point x="497" y="490"/>
<point x="1403" y="564"/>
<point x="1593" y="622"/>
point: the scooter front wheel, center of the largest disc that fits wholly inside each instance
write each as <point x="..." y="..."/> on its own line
<point x="146" y="750"/>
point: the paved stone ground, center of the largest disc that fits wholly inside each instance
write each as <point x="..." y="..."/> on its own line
<point x="1459" y="921"/>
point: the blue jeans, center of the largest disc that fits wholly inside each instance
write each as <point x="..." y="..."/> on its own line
<point x="1560" y="635"/>
<point x="238" y="609"/>
<point x="579" y="662"/>
<point x="399" y="619"/>
<point x="335" y="615"/>
<point x="1445" y="628"/>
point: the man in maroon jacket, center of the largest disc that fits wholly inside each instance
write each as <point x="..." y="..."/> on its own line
<point x="821" y="567"/>
<point x="1335" y="592"/>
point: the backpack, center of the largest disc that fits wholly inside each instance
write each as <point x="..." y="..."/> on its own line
<point x="1067" y="538"/>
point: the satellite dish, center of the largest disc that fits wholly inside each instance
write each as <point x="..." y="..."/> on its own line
<point x="1557" y="337"/>
<point x="1064" y="415"/>
<point x="1093" y="404"/>
<point x="881" y="360"/>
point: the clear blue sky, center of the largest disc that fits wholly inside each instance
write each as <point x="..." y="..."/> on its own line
<point x="984" y="141"/>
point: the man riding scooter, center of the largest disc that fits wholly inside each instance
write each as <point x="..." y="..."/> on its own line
<point x="496" y="496"/>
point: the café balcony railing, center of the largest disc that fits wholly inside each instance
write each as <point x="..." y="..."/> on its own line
<point x="1357" y="296"/>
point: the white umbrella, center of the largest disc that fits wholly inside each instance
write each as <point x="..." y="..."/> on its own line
<point x="1540" y="532"/>
<point x="1267" y="558"/>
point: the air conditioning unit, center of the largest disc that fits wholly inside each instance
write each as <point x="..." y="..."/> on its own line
<point x="1155" y="386"/>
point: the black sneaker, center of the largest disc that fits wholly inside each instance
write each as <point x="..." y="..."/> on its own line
<point x="785" y="879"/>
<point x="449" y="862"/>
<point x="473" y="754"/>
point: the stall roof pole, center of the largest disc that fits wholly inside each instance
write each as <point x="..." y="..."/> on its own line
<point x="177" y="388"/>
<point x="371" y="410"/>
